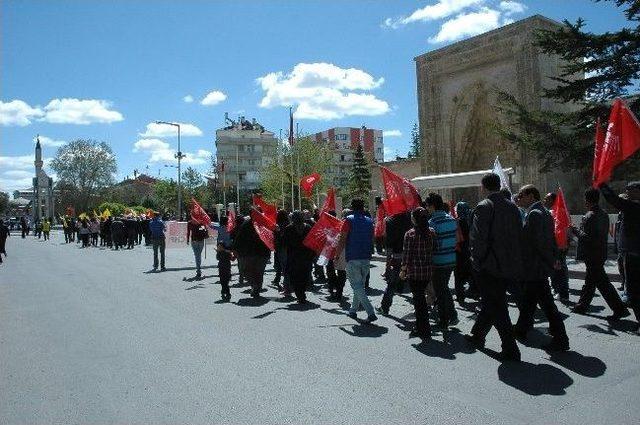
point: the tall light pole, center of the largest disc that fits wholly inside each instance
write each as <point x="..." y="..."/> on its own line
<point x="179" y="156"/>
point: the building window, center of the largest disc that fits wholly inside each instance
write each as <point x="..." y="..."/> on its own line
<point x="341" y="137"/>
<point x="341" y="157"/>
<point x="240" y="148"/>
<point x="251" y="148"/>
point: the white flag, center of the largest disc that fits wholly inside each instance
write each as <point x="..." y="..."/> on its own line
<point x="504" y="179"/>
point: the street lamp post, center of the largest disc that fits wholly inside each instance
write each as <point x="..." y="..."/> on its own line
<point x="179" y="156"/>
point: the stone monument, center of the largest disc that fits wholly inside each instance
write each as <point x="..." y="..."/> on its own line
<point x="458" y="87"/>
<point x="43" y="206"/>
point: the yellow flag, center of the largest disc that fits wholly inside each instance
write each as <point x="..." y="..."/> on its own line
<point x="106" y="213"/>
<point x="83" y="216"/>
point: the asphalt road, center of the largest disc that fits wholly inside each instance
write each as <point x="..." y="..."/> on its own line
<point x="88" y="336"/>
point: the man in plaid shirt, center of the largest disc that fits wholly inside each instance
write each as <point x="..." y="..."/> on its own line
<point x="417" y="268"/>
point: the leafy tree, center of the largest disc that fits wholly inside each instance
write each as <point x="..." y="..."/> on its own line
<point x="165" y="194"/>
<point x="303" y="158"/>
<point x="86" y="166"/>
<point x="610" y="64"/>
<point x="192" y="179"/>
<point x="4" y="202"/>
<point x="415" y="150"/>
<point x="359" y="185"/>
<point x="115" y="208"/>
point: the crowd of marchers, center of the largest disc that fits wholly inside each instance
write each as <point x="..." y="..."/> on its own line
<point x="504" y="247"/>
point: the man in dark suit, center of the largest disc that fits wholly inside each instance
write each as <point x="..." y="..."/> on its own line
<point x="495" y="248"/>
<point x="592" y="249"/>
<point x="539" y="253"/>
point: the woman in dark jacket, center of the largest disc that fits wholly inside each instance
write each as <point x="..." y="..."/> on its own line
<point x="299" y="257"/>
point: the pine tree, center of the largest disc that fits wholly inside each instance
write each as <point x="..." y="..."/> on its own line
<point x="416" y="149"/>
<point x="359" y="185"/>
<point x="610" y="63"/>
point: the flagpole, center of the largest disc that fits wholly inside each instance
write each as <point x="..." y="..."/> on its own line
<point x="281" y="156"/>
<point x="238" y="179"/>
<point x="298" y="169"/>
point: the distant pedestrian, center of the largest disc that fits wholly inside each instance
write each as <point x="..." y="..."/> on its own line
<point x="629" y="207"/>
<point x="495" y="245"/>
<point x="396" y="226"/>
<point x="252" y="255"/>
<point x="444" y="258"/>
<point x="416" y="267"/>
<point x="224" y="255"/>
<point x="46" y="229"/>
<point x="197" y="233"/>
<point x="117" y="233"/>
<point x="157" y="228"/>
<point x="538" y="258"/>
<point x="593" y="235"/>
<point x="299" y="257"/>
<point x="462" y="274"/>
<point x="356" y="239"/>
<point x="4" y="233"/>
<point x="94" y="227"/>
<point x="24" y="226"/>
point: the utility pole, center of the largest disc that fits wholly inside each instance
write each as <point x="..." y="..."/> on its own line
<point x="179" y="157"/>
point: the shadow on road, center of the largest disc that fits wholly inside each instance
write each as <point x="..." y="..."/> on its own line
<point x="591" y="367"/>
<point x="365" y="330"/>
<point x="534" y="379"/>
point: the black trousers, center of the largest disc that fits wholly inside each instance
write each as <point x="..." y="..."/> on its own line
<point x="444" y="300"/>
<point x="158" y="245"/>
<point x="632" y="281"/>
<point x="462" y="274"/>
<point x="596" y="277"/>
<point x="418" y="290"/>
<point x="394" y="284"/>
<point x="298" y="272"/>
<point x="494" y="311"/>
<point x="538" y="292"/>
<point x="224" y="271"/>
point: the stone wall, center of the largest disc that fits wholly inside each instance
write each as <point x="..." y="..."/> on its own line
<point x="458" y="87"/>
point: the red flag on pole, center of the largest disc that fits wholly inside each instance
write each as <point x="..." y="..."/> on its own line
<point x="291" y="138"/>
<point x="307" y="183"/>
<point x="199" y="214"/>
<point x="401" y="194"/>
<point x="597" y="153"/>
<point x="330" y="202"/>
<point x="269" y="210"/>
<point x="231" y="223"/>
<point x="323" y="237"/>
<point x="621" y="141"/>
<point x="378" y="229"/>
<point x="264" y="228"/>
<point x="561" y="219"/>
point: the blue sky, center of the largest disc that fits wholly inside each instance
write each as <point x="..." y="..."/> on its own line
<point x="107" y="69"/>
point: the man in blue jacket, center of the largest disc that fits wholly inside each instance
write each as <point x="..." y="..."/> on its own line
<point x="157" y="228"/>
<point x="357" y="240"/>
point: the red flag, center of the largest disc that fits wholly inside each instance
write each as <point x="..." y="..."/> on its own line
<point x="378" y="229"/>
<point x="199" y="214"/>
<point x="330" y="202"/>
<point x="401" y="194"/>
<point x="597" y="153"/>
<point x="264" y="228"/>
<point x="231" y="223"/>
<point x="561" y="219"/>
<point x="452" y="209"/>
<point x="323" y="237"/>
<point x="269" y="210"/>
<point x="291" y="139"/>
<point x="621" y="141"/>
<point x="307" y="183"/>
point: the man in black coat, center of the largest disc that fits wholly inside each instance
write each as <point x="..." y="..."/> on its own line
<point x="539" y="253"/>
<point x="629" y="242"/>
<point x="495" y="246"/>
<point x="252" y="255"/>
<point x="592" y="249"/>
<point x="395" y="228"/>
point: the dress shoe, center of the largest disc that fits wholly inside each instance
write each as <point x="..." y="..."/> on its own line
<point x="579" y="309"/>
<point x="557" y="344"/>
<point x="509" y="356"/>
<point x="475" y="341"/>
<point x="519" y="334"/>
<point x="371" y="318"/>
<point x="354" y="316"/>
<point x="382" y="311"/>
<point x="417" y="334"/>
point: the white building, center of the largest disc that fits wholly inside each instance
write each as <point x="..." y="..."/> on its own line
<point x="244" y="148"/>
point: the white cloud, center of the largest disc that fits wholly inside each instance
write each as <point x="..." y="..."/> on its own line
<point x="18" y="112"/>
<point x="512" y="7"/>
<point x="47" y="141"/>
<point x="166" y="130"/>
<point x="213" y="98"/>
<point x="389" y="153"/>
<point x="467" y="24"/>
<point x="439" y="10"/>
<point x="188" y="98"/>
<point x="392" y="133"/>
<point x="323" y="91"/>
<point x="16" y="172"/>
<point x="161" y="151"/>
<point x="80" y="111"/>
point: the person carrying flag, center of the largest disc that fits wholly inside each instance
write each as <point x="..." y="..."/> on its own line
<point x="224" y="257"/>
<point x="299" y="257"/>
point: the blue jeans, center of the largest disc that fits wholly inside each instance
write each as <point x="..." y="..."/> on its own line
<point x="357" y="271"/>
<point x="197" y="252"/>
